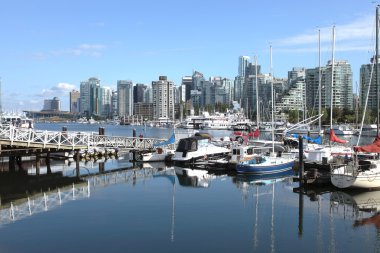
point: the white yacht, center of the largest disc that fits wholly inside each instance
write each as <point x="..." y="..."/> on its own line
<point x="198" y="147"/>
<point x="16" y="121"/>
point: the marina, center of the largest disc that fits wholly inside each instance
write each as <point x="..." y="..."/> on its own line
<point x="169" y="205"/>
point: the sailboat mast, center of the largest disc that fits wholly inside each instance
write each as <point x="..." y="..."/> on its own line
<point x="332" y="78"/>
<point x="272" y="96"/>
<point x="377" y="68"/>
<point x="319" y="82"/>
<point x="257" y="95"/>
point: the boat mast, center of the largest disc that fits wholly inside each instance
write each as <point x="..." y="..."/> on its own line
<point x="257" y="96"/>
<point x="332" y="78"/>
<point x="272" y="96"/>
<point x="377" y="68"/>
<point x="319" y="82"/>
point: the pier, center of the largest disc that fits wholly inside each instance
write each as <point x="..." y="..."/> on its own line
<point x="16" y="143"/>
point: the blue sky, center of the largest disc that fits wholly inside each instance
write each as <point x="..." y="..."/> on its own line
<point x="48" y="47"/>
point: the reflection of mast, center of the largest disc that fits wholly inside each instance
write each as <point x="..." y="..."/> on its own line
<point x="272" y="222"/>
<point x="319" y="232"/>
<point x="255" y="241"/>
<point x="332" y="232"/>
<point x="173" y="215"/>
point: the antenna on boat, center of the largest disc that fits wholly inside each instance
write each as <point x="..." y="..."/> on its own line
<point x="319" y="82"/>
<point x="377" y="67"/>
<point x="332" y="80"/>
<point x="272" y="96"/>
<point x="257" y="96"/>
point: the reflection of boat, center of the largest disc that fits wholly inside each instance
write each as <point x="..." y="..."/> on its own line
<point x="365" y="201"/>
<point x="192" y="177"/>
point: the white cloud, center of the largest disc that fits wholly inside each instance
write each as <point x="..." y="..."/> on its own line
<point x="354" y="36"/>
<point x="59" y="90"/>
<point x="92" y="50"/>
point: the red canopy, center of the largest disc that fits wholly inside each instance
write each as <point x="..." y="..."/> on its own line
<point x="372" y="148"/>
<point x="256" y="133"/>
<point x="335" y="138"/>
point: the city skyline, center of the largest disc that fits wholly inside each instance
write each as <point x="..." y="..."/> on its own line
<point x="48" y="49"/>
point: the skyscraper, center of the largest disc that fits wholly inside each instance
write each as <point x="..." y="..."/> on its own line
<point x="243" y="64"/>
<point x="342" y="86"/>
<point x="90" y="102"/>
<point x="138" y="93"/>
<point x="74" y="101"/>
<point x="365" y="82"/>
<point x="163" y="99"/>
<point x="125" y="98"/>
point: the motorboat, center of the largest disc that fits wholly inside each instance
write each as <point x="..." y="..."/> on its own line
<point x="157" y="155"/>
<point x="16" y="121"/>
<point x="198" y="147"/>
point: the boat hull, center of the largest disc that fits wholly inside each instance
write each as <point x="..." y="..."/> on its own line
<point x="265" y="168"/>
<point x="347" y="176"/>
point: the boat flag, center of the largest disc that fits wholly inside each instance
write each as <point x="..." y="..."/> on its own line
<point x="335" y="138"/>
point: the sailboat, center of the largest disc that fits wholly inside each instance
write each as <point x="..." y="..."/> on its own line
<point x="319" y="153"/>
<point x="267" y="164"/>
<point x="361" y="173"/>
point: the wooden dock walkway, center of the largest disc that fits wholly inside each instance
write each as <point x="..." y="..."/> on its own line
<point x="12" y="138"/>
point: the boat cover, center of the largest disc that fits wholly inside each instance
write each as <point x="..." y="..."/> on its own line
<point x="317" y="140"/>
<point x="335" y="138"/>
<point x="372" y="148"/>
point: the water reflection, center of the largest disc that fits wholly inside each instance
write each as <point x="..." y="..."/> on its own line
<point x="358" y="204"/>
<point x="262" y="185"/>
<point x="193" y="177"/>
<point x="362" y="206"/>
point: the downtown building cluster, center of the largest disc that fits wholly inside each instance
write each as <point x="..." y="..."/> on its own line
<point x="162" y="99"/>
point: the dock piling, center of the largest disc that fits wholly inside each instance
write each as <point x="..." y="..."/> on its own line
<point x="300" y="155"/>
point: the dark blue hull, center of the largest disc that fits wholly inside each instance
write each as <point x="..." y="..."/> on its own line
<point x="264" y="169"/>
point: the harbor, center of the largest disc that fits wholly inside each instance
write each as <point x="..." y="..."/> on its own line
<point x="169" y="205"/>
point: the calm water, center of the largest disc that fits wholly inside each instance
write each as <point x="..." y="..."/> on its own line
<point x="155" y="208"/>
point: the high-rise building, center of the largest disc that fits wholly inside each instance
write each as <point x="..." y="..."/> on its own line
<point x="125" y="98"/>
<point x="366" y="71"/>
<point x="187" y="83"/>
<point x="197" y="81"/>
<point x="114" y="104"/>
<point x="90" y="97"/>
<point x="74" y="101"/>
<point x="238" y="88"/>
<point x="52" y="104"/>
<point x="163" y="99"/>
<point x="342" y="85"/>
<point x="106" y="101"/>
<point x="312" y="81"/>
<point x="138" y="93"/>
<point x="228" y="89"/>
<point x="243" y="64"/>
